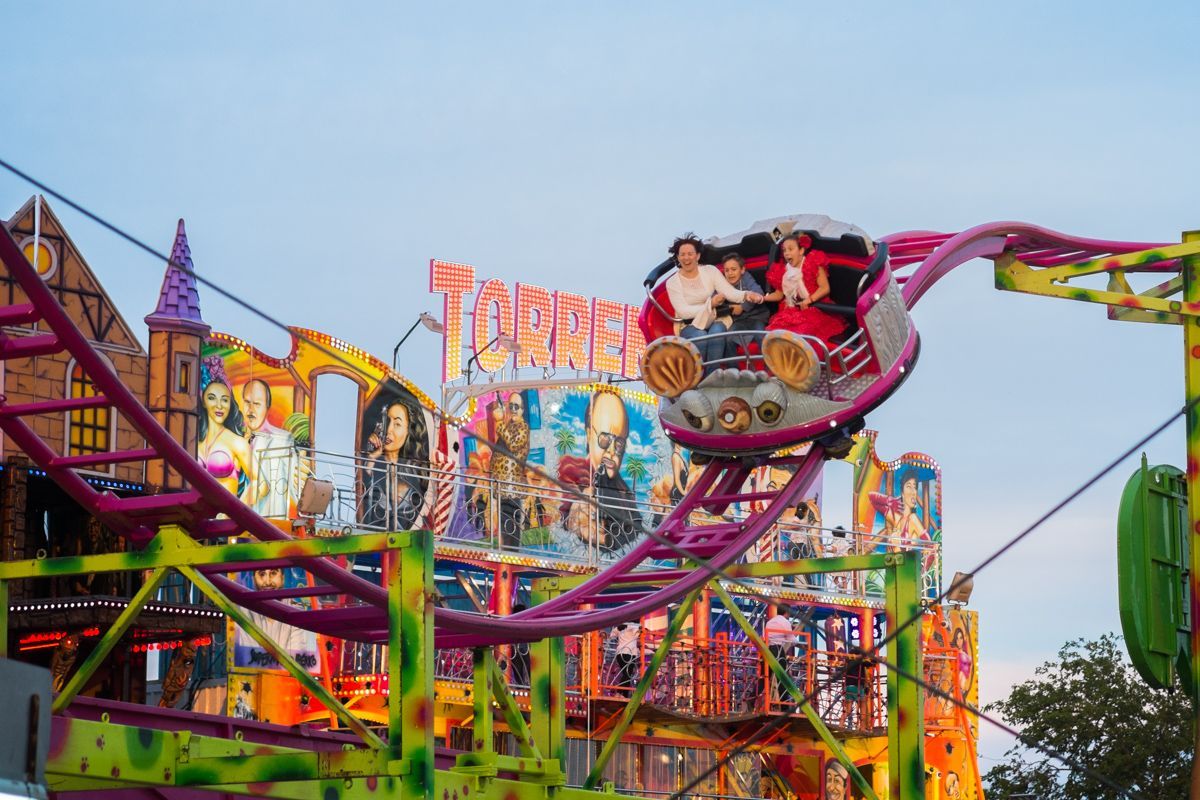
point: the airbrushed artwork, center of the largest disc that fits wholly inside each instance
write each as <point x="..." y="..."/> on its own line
<point x="595" y="440"/>
<point x="248" y="426"/>
<point x="897" y="506"/>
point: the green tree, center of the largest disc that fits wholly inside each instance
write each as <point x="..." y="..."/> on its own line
<point x="1094" y="709"/>
<point x="636" y="467"/>
<point x="564" y="440"/>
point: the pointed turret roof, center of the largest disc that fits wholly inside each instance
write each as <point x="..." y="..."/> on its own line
<point x="178" y="300"/>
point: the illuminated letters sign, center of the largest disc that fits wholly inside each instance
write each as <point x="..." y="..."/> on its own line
<point x="554" y="329"/>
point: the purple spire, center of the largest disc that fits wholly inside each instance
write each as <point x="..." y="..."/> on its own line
<point x="178" y="300"/>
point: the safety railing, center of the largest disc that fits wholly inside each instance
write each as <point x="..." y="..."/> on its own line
<point x="839" y="363"/>
<point x="716" y="677"/>
<point x="722" y="677"/>
<point x="480" y="511"/>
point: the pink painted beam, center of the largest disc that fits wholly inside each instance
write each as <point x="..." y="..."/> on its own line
<point x="96" y="459"/>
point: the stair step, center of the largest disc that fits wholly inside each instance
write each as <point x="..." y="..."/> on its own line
<point x="19" y="314"/>
<point x="96" y="459"/>
<point x="42" y="344"/>
<point x="54" y="406"/>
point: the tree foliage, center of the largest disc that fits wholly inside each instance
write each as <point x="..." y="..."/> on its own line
<point x="1092" y="707"/>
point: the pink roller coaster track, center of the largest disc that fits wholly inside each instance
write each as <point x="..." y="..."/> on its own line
<point x="615" y="595"/>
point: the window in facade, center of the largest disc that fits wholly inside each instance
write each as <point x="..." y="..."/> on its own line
<point x="87" y="428"/>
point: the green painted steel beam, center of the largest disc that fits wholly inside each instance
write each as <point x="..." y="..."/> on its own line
<point x="1191" y="373"/>
<point x="310" y="684"/>
<point x="1014" y="275"/>
<point x="767" y="569"/>
<point x="785" y="680"/>
<point x="410" y="662"/>
<point x="481" y="698"/>
<point x="109" y="640"/>
<point x="639" y="691"/>
<point x="547" y="691"/>
<point x="906" y="718"/>
<point x="513" y="716"/>
<point x="172" y="547"/>
<point x="808" y="566"/>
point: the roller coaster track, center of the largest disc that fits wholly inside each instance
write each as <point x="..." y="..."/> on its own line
<point x="617" y="594"/>
<point x="934" y="255"/>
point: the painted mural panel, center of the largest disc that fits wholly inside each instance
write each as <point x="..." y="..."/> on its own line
<point x="248" y="426"/>
<point x="898" y="505"/>
<point x="255" y="437"/>
<point x="395" y="469"/>
<point x="602" y="442"/>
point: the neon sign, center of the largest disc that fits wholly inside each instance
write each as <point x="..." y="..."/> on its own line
<point x="554" y="329"/>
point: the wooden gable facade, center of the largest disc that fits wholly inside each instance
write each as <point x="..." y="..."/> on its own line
<point x="54" y="376"/>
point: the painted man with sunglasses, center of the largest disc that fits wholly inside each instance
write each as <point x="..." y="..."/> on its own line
<point x="616" y="523"/>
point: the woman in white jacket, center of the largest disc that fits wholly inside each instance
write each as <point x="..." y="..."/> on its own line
<point x="696" y="290"/>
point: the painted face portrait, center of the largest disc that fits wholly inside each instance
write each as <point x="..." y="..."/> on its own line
<point x="516" y="406"/>
<point x="908" y="493"/>
<point x="217" y="402"/>
<point x="608" y="434"/>
<point x="836" y="778"/>
<point x="256" y="401"/>
<point x="396" y="431"/>
<point x="953" y="785"/>
<point x="270" y="578"/>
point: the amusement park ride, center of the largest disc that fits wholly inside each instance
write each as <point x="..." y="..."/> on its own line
<point x="400" y="696"/>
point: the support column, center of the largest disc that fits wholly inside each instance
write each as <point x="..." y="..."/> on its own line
<point x="547" y="691"/>
<point x="410" y="663"/>
<point x="482" y="741"/>
<point x="702" y="683"/>
<point x="1190" y="269"/>
<point x="502" y="579"/>
<point x="906" y="720"/>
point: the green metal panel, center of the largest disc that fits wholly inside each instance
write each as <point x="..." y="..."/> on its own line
<point x="1152" y="558"/>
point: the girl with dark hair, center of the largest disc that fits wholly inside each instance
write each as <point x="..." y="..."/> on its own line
<point x="222" y="447"/>
<point x="396" y="480"/>
<point x="800" y="281"/>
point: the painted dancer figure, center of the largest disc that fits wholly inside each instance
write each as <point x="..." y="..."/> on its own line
<point x="903" y="526"/>
<point x="800" y="282"/>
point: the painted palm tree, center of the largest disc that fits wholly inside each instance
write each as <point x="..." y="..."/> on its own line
<point x="564" y="440"/>
<point x="636" y="467"/>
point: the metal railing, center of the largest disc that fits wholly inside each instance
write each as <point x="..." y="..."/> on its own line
<point x="481" y="511"/>
<point x="843" y="361"/>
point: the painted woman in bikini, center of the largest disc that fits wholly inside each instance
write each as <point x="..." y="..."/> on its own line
<point x="222" y="447"/>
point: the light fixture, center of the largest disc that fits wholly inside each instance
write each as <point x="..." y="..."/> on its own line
<point x="424" y="318"/>
<point x="503" y="339"/>
<point x="961" y="587"/>
<point x="315" y="497"/>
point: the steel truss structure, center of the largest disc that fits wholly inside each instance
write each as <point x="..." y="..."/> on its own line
<point x="91" y="750"/>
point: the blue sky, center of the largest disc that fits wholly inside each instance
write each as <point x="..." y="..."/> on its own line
<point x="322" y="155"/>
